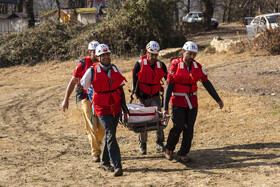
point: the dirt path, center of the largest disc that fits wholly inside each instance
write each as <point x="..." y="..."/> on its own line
<point x="236" y="146"/>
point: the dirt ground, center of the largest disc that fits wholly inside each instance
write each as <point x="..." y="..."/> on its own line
<point x="237" y="146"/>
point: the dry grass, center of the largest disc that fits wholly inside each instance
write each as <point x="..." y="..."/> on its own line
<point x="41" y="145"/>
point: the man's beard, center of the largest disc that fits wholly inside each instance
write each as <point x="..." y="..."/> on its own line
<point x="190" y="60"/>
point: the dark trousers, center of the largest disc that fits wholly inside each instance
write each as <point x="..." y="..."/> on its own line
<point x="111" y="150"/>
<point x="183" y="120"/>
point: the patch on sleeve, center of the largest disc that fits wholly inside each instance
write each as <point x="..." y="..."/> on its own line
<point x="203" y="71"/>
<point x="171" y="72"/>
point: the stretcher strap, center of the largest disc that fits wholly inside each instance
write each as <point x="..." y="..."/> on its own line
<point x="143" y="114"/>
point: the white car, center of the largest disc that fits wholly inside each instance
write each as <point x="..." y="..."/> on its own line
<point x="262" y="22"/>
<point x="194" y="17"/>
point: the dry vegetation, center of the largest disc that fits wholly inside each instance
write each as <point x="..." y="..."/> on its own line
<point x="267" y="42"/>
<point x="236" y="146"/>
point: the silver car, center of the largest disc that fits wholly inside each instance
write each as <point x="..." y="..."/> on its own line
<point x="195" y="17"/>
<point x="262" y="22"/>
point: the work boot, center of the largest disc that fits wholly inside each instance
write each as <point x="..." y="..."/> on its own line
<point x="96" y="158"/>
<point x="118" y="172"/>
<point x="183" y="159"/>
<point x="143" y="148"/>
<point x="107" y="167"/>
<point x="169" y="154"/>
<point x="160" y="148"/>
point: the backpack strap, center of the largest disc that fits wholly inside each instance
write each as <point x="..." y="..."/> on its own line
<point x="92" y="72"/>
<point x="115" y="68"/>
<point x="83" y="63"/>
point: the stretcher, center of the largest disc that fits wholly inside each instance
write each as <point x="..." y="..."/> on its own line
<point x="143" y="119"/>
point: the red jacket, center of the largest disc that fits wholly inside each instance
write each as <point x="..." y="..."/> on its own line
<point x="149" y="79"/>
<point x="107" y="95"/>
<point x="185" y="81"/>
<point x="82" y="68"/>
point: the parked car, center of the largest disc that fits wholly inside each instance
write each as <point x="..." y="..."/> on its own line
<point x="195" y="17"/>
<point x="248" y="20"/>
<point x="262" y="22"/>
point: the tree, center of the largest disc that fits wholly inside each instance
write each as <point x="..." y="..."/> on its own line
<point x="30" y="13"/>
<point x="128" y="29"/>
<point x="208" y="10"/>
<point x="76" y="3"/>
<point x="58" y="7"/>
<point x="229" y="11"/>
<point x="20" y="6"/>
<point x="189" y="6"/>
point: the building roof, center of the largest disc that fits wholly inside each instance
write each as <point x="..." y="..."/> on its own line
<point x="18" y="15"/>
<point x="48" y="13"/>
<point x="9" y="1"/>
<point x="53" y="12"/>
<point x="68" y="11"/>
<point x="4" y="16"/>
<point x="86" y="10"/>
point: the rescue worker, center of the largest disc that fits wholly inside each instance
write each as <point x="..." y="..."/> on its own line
<point x="96" y="131"/>
<point x="147" y="75"/>
<point x="183" y="75"/>
<point x="108" y="98"/>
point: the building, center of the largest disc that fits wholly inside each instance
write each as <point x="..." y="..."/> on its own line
<point x="11" y="20"/>
<point x="86" y="15"/>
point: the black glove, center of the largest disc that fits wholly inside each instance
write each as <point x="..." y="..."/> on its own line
<point x="80" y="94"/>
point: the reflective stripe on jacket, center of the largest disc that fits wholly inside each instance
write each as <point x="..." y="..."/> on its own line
<point x="149" y="79"/>
<point x="185" y="83"/>
<point x="107" y="95"/>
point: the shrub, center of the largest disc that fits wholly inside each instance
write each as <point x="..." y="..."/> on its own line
<point x="132" y="25"/>
<point x="269" y="41"/>
<point x="34" y="45"/>
<point x="126" y="30"/>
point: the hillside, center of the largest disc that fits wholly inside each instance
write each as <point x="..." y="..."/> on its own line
<point x="237" y="146"/>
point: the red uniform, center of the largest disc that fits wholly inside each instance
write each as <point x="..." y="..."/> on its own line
<point x="149" y="79"/>
<point x="185" y="82"/>
<point x="107" y="95"/>
<point x="81" y="69"/>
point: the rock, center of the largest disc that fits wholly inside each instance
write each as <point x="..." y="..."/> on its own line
<point x="222" y="44"/>
<point x="169" y="52"/>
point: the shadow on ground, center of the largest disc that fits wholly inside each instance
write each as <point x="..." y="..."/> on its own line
<point x="236" y="156"/>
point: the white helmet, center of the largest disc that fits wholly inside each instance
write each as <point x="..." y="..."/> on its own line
<point x="153" y="47"/>
<point x="92" y="45"/>
<point x="101" y="49"/>
<point x="190" y="46"/>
